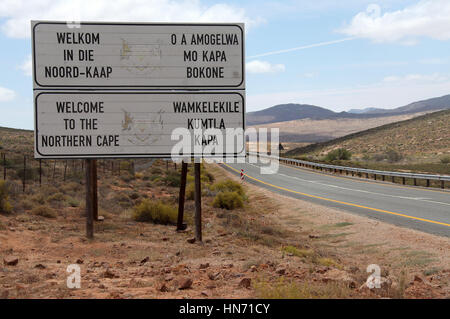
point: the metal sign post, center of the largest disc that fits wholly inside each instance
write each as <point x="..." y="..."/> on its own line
<point x="121" y="90"/>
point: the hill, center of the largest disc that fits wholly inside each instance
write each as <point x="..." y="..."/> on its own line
<point x="434" y="104"/>
<point x="289" y="112"/>
<point x="319" y="130"/>
<point x="423" y="139"/>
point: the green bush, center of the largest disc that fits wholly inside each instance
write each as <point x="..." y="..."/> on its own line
<point x="393" y="156"/>
<point x="229" y="186"/>
<point x="156" y="212"/>
<point x="5" y="206"/>
<point x="173" y="179"/>
<point x="44" y="212"/>
<point x="228" y="200"/>
<point x="190" y="191"/>
<point x="338" y="154"/>
<point x="445" y="159"/>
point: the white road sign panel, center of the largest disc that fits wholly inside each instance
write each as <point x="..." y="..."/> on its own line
<point x="126" y="55"/>
<point x="136" y="124"/>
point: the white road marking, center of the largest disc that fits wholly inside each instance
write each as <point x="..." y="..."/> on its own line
<point x="358" y="190"/>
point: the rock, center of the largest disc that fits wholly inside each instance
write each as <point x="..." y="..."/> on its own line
<point x="101" y="286"/>
<point x="40" y="266"/>
<point x="186" y="283"/>
<point x="58" y="261"/>
<point x="213" y="275"/>
<point x="253" y="268"/>
<point x="339" y="275"/>
<point x="100" y="218"/>
<point x="204" y="266"/>
<point x="169" y="278"/>
<point x="163" y="288"/>
<point x="205" y="293"/>
<point x="313" y="236"/>
<point x="280" y="271"/>
<point x="245" y="282"/>
<point x="165" y="239"/>
<point x="143" y="261"/>
<point x="11" y="261"/>
<point x="417" y="278"/>
<point x="191" y="240"/>
<point x="211" y="286"/>
<point x="109" y="274"/>
<point x="79" y="261"/>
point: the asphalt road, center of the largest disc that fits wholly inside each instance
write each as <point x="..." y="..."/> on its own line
<point x="427" y="210"/>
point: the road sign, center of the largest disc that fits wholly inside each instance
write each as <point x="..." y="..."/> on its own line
<point x="80" y="124"/>
<point x="137" y="55"/>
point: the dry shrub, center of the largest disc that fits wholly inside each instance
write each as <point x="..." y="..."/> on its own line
<point x="44" y="211"/>
<point x="229" y="186"/>
<point x="293" y="290"/>
<point x="5" y="206"/>
<point x="156" y="212"/>
<point x="228" y="200"/>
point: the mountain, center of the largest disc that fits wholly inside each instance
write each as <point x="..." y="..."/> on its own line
<point x="434" y="104"/>
<point x="289" y="112"/>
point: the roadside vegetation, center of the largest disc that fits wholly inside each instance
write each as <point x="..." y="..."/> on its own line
<point x="421" y="145"/>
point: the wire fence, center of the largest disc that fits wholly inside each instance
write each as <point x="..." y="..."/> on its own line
<point x="27" y="171"/>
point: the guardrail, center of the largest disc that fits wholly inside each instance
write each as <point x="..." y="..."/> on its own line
<point x="360" y="172"/>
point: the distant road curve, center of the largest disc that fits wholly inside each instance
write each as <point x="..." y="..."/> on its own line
<point x="427" y="210"/>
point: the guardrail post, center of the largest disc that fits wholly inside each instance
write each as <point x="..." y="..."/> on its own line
<point x="403" y="180"/>
<point x="428" y="183"/>
<point x="375" y="176"/>
<point x="442" y="184"/>
<point x="393" y="179"/>
<point x="383" y="177"/>
<point x="415" y="181"/>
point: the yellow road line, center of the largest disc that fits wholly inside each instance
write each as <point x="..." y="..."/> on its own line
<point x="341" y="202"/>
<point x="364" y="181"/>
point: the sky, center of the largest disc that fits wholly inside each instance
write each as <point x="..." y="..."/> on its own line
<point x="335" y="54"/>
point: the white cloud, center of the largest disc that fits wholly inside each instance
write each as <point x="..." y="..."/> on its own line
<point x="427" y="18"/>
<point x="6" y="94"/>
<point x="26" y="66"/>
<point x="258" y="66"/>
<point x="435" y="77"/>
<point x="16" y="14"/>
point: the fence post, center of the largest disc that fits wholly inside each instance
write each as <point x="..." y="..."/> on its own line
<point x="198" y="203"/>
<point x="89" y="202"/>
<point x="24" y="171"/>
<point x="181" y="197"/>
